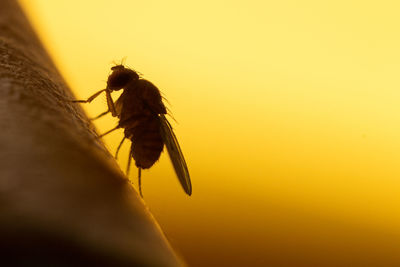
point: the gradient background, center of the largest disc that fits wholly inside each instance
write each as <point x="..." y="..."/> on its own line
<point x="288" y="115"/>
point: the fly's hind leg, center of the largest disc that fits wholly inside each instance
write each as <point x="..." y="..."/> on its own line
<point x="140" y="181"/>
<point x="128" y="167"/>
<point x="119" y="147"/>
<point x="113" y="129"/>
<point x="139" y="172"/>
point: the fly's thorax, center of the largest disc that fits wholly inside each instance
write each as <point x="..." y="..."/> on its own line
<point x="152" y="96"/>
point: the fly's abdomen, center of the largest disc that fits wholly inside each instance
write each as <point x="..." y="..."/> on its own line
<point x="147" y="142"/>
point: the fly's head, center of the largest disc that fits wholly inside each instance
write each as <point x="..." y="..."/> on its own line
<point x="121" y="77"/>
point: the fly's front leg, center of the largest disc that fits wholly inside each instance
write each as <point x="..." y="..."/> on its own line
<point x="110" y="104"/>
<point x="90" y="99"/>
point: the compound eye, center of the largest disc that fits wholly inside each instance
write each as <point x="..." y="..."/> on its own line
<point x="118" y="80"/>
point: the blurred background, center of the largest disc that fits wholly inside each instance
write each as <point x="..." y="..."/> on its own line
<point x="287" y="112"/>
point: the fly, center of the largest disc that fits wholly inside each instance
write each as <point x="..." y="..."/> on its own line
<point x="141" y="114"/>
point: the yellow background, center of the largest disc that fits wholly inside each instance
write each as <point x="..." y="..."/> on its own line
<point x="288" y="115"/>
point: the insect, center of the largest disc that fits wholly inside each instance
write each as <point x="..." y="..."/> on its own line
<point x="141" y="114"/>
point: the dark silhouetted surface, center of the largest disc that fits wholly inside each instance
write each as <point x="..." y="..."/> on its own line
<point x="63" y="199"/>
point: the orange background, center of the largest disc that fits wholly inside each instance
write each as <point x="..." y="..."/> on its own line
<point x="288" y="115"/>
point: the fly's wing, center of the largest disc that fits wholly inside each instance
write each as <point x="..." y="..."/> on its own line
<point x="175" y="154"/>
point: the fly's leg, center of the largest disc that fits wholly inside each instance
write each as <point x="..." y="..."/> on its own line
<point x="128" y="167"/>
<point x="100" y="115"/>
<point x="110" y="104"/>
<point x="140" y="171"/>
<point x="113" y="129"/>
<point x="140" y="181"/>
<point x="90" y="99"/>
<point x="119" y="147"/>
